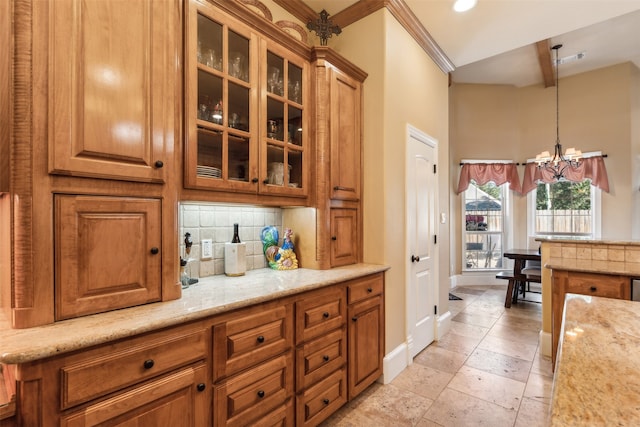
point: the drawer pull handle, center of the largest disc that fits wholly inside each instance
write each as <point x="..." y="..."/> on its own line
<point x="154" y="250"/>
<point x="334" y="238"/>
<point x="354" y="318"/>
<point x="325" y="358"/>
<point x="265" y="181"/>
<point x="369" y="290"/>
<point x="148" y="364"/>
<point x="159" y="164"/>
<point x="325" y="314"/>
<point x="325" y="401"/>
<point x="260" y="394"/>
<point x="260" y="339"/>
<point x="201" y="387"/>
<point x="593" y="289"/>
<point x="254" y="180"/>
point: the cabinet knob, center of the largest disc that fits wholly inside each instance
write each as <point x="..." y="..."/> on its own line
<point x="325" y="401"/>
<point x="201" y="387"/>
<point x="154" y="251"/>
<point x="369" y="290"/>
<point x="354" y="318"/>
<point x="260" y="339"/>
<point x="148" y="364"/>
<point x="260" y="394"/>
<point x="325" y="358"/>
<point x="265" y="181"/>
<point x="334" y="238"/>
<point x="593" y="289"/>
<point x="254" y="180"/>
<point x="159" y="164"/>
<point x="325" y="314"/>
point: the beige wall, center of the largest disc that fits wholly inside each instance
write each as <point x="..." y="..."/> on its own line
<point x="404" y="87"/>
<point x="596" y="110"/>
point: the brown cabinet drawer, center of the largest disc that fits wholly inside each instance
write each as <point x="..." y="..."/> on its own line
<point x="247" y="397"/>
<point x="320" y="313"/>
<point x="365" y="287"/>
<point x="598" y="285"/>
<point x="284" y="416"/>
<point x="318" y="402"/>
<point x="318" y="358"/>
<point x="128" y="363"/>
<point x="251" y="337"/>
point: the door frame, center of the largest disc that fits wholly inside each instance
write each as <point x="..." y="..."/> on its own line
<point x="414" y="133"/>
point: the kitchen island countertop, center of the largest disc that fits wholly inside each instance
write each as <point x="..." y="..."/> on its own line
<point x="210" y="296"/>
<point x="597" y="380"/>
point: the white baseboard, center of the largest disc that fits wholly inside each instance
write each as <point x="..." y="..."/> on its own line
<point x="394" y="363"/>
<point x="475" y="280"/>
<point x="443" y="325"/>
<point x="544" y="339"/>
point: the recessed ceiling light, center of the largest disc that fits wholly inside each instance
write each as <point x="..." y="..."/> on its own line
<point x="464" y="5"/>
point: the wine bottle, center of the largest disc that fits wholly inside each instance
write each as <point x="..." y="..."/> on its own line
<point x="236" y="237"/>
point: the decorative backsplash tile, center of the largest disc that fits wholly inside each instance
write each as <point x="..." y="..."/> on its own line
<point x="215" y="222"/>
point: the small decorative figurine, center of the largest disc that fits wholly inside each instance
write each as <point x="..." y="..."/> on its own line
<point x="279" y="258"/>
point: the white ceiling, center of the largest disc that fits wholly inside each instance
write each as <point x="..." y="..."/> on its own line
<point x="494" y="42"/>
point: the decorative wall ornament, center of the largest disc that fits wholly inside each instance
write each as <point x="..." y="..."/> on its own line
<point x="258" y="7"/>
<point x="324" y="27"/>
<point x="293" y="29"/>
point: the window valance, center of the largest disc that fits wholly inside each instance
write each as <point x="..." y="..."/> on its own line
<point x="482" y="173"/>
<point x="590" y="167"/>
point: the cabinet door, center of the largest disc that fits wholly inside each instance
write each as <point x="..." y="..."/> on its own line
<point x="346" y="125"/>
<point x="106" y="253"/>
<point x="284" y="157"/>
<point x="221" y="101"/>
<point x="113" y="95"/>
<point x="179" y="399"/>
<point x="344" y="236"/>
<point x="366" y="343"/>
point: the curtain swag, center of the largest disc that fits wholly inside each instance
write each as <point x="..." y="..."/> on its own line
<point x="482" y="173"/>
<point x="590" y="167"/>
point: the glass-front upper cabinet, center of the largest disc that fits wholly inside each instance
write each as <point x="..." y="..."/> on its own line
<point x="283" y="120"/>
<point x="220" y="103"/>
<point x="245" y="114"/>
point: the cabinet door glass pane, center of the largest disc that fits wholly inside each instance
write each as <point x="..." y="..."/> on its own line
<point x="209" y="154"/>
<point x="294" y="84"/>
<point x="275" y="119"/>
<point x="209" y="43"/>
<point x="275" y="74"/>
<point x="209" y="97"/>
<point x="238" y="117"/>
<point x="294" y="128"/>
<point x="238" y="158"/>
<point x="295" y="169"/>
<point x="275" y="165"/>
<point x="238" y="62"/>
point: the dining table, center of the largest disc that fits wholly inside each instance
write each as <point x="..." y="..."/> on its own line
<point x="520" y="258"/>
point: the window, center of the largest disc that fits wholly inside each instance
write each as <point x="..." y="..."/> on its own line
<point x="484" y="210"/>
<point x="564" y="208"/>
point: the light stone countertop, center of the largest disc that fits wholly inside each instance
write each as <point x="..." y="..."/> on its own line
<point x="579" y="239"/>
<point x="594" y="266"/>
<point x="210" y="296"/>
<point x="597" y="376"/>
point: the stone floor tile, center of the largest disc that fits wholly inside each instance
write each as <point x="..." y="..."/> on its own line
<point x="513" y="333"/>
<point x="490" y="387"/>
<point x="441" y="359"/>
<point x="499" y="364"/>
<point x="532" y="414"/>
<point x="539" y="388"/>
<point x="475" y="319"/>
<point x="509" y="348"/>
<point x="422" y="380"/>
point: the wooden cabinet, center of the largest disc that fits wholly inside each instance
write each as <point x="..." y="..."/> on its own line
<point x="344" y="237"/>
<point x="599" y="285"/>
<point x="366" y="332"/>
<point x="321" y="353"/>
<point x="246" y="116"/>
<point x="96" y="113"/>
<point x="107" y="253"/>
<point x="158" y="376"/>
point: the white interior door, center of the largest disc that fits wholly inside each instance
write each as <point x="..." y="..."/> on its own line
<point x="421" y="258"/>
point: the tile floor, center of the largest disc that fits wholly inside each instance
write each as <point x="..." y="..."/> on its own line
<point x="486" y="371"/>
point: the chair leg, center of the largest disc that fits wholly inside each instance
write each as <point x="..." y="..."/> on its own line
<point x="509" y="296"/>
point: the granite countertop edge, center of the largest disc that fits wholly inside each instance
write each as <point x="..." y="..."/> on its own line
<point x="578" y="239"/>
<point x="594" y="266"/>
<point x="210" y="296"/>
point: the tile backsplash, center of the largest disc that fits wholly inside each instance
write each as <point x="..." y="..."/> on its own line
<point x="215" y="222"/>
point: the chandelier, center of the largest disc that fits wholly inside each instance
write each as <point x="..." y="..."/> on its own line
<point x="559" y="162"/>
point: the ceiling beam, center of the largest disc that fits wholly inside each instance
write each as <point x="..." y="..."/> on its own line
<point x="357" y="11"/>
<point x="546" y="63"/>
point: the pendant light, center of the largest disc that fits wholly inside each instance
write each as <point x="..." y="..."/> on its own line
<point x="559" y="162"/>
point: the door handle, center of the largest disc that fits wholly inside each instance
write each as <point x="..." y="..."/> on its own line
<point x="415" y="258"/>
